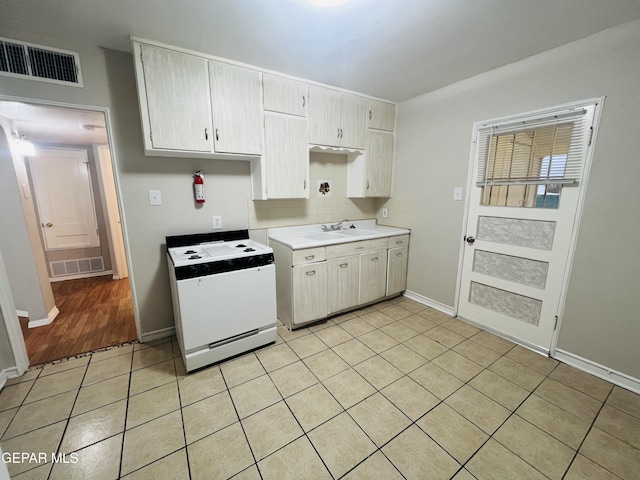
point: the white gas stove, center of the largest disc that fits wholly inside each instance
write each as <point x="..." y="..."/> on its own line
<point x="224" y="295"/>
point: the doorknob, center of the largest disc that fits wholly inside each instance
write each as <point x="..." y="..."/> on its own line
<point x="49" y="225"/>
<point x="470" y="240"/>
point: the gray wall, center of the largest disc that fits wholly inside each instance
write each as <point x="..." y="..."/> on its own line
<point x="109" y="82"/>
<point x="433" y="143"/>
<point x="29" y="283"/>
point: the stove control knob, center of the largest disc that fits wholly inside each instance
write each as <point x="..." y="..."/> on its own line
<point x="206" y="268"/>
<point x="193" y="270"/>
<point x="251" y="260"/>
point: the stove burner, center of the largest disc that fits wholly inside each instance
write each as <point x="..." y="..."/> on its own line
<point x="241" y="245"/>
<point x="194" y="257"/>
<point x="249" y="249"/>
<point x="189" y="252"/>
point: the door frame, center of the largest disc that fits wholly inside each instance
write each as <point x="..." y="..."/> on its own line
<point x="13" y="324"/>
<point x="584" y="182"/>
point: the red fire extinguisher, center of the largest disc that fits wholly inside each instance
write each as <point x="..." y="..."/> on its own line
<point x="198" y="186"/>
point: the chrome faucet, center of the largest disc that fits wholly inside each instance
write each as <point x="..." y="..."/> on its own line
<point x="334" y="227"/>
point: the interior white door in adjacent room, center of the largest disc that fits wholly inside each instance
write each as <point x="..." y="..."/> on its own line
<point x="523" y="213"/>
<point x="64" y="198"/>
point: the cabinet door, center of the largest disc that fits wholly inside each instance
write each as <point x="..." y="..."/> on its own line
<point x="397" y="270"/>
<point x="286" y="155"/>
<point x="381" y="115"/>
<point x="324" y="116"/>
<point x="309" y="292"/>
<point x="373" y="276"/>
<point x="379" y="164"/>
<point x="237" y="113"/>
<point x="284" y="95"/>
<point x="353" y="121"/>
<point x="177" y="99"/>
<point x="343" y="282"/>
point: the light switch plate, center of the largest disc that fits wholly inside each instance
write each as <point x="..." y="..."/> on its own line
<point x="457" y="193"/>
<point x="155" y="198"/>
<point x="385" y="212"/>
<point x="216" y="222"/>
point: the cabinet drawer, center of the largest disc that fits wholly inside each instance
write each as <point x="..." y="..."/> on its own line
<point x="308" y="255"/>
<point x="398" y="241"/>
<point x="356" y="248"/>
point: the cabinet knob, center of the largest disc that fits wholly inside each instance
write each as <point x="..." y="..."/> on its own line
<point x="344" y="265"/>
<point x="374" y="259"/>
<point x="216" y="134"/>
<point x="304" y="184"/>
<point x="312" y="272"/>
<point x="369" y="114"/>
<point x="206" y="134"/>
<point x="338" y="135"/>
<point x="303" y="101"/>
<point x="398" y="254"/>
<point x="49" y="225"/>
<point x="367" y="184"/>
<point x="309" y="257"/>
<point x="398" y="242"/>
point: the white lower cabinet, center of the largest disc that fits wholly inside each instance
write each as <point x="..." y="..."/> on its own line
<point x="314" y="283"/>
<point x="373" y="275"/>
<point x="397" y="270"/>
<point x="309" y="292"/>
<point x="343" y="283"/>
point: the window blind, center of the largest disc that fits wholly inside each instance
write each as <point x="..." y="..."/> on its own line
<point x="544" y="150"/>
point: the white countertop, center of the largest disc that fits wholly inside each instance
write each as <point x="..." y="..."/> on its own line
<point x="309" y="236"/>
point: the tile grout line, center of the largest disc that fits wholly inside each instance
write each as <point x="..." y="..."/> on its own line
<point x="126" y="414"/>
<point x="181" y="407"/>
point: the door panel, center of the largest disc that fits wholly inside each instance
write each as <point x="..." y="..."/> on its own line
<point x="177" y="99"/>
<point x="286" y="155"/>
<point x="343" y="280"/>
<point x="515" y="260"/>
<point x="373" y="275"/>
<point x="64" y="199"/>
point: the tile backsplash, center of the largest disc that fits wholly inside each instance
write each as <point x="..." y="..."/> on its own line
<point x="317" y="208"/>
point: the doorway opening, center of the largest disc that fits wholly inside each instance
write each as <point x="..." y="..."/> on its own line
<point x="68" y="184"/>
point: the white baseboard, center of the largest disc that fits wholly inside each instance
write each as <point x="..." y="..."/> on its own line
<point x="8" y="373"/>
<point x="45" y="321"/>
<point x="22" y="313"/>
<point x="429" y="302"/>
<point x="156" y="334"/>
<point x="81" y="275"/>
<point x="615" y="377"/>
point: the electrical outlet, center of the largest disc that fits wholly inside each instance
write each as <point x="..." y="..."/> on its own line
<point x="155" y="198"/>
<point x="217" y="222"/>
<point x="385" y="212"/>
<point x="457" y="193"/>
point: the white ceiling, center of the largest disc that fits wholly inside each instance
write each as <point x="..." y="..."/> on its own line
<point x="44" y="124"/>
<point x="393" y="49"/>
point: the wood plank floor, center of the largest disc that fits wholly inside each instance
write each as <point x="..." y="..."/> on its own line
<point x="94" y="313"/>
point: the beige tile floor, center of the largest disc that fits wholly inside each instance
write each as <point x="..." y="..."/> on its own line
<point x="396" y="390"/>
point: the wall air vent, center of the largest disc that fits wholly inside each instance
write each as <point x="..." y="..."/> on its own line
<point x="37" y="62"/>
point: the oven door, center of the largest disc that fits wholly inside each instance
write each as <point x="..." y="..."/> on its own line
<point x="218" y="307"/>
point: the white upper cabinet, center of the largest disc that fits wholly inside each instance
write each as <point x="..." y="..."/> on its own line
<point x="324" y="116"/>
<point x="381" y="115"/>
<point x="177" y="115"/>
<point x="379" y="164"/>
<point x="369" y="174"/>
<point x="237" y="112"/>
<point x="352" y="130"/>
<point x="286" y="156"/>
<point x="284" y="95"/>
<point x="336" y="119"/>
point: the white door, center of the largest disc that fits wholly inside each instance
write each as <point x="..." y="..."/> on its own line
<point x="64" y="199"/>
<point x="379" y="164"/>
<point x="324" y="116"/>
<point x="178" y="99"/>
<point x="237" y="109"/>
<point x="373" y="275"/>
<point x="286" y="156"/>
<point x="516" y="253"/>
<point x="284" y="95"/>
<point x="352" y="121"/>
